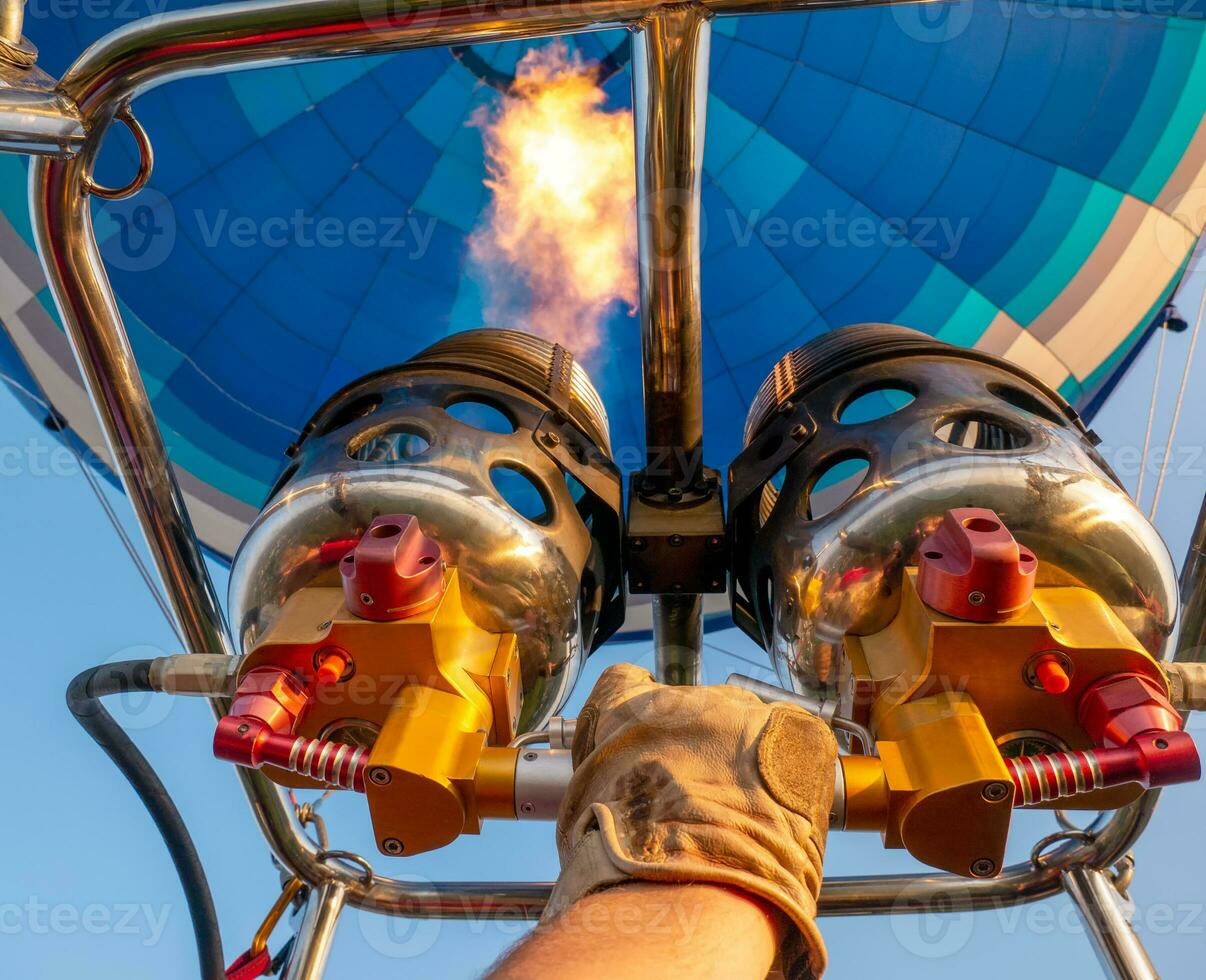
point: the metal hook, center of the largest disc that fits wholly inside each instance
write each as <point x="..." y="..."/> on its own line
<point x="146" y="161"/>
<point x="1037" y="855"/>
<point x="352" y="858"/>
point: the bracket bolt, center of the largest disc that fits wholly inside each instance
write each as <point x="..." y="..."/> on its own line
<point x="983" y="867"/>
<point x="391" y="845"/>
<point x="380" y="775"/>
<point x="798" y="431"/>
<point x="995" y="792"/>
<point x="976" y="598"/>
<point x="676" y="540"/>
<point x="551" y="439"/>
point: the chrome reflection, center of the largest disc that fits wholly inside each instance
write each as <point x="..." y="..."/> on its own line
<point x="977" y="431"/>
<point x="388" y="444"/>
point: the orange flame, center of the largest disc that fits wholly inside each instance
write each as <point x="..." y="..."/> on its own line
<point x="556" y="249"/>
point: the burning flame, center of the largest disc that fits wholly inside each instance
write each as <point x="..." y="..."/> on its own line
<point x="556" y="250"/>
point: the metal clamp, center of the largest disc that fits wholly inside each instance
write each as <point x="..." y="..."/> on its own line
<point x="146" y="161"/>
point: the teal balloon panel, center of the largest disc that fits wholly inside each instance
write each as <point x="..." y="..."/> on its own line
<point x="1025" y="178"/>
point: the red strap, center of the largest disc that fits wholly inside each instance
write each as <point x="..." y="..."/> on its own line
<point x="247" y="967"/>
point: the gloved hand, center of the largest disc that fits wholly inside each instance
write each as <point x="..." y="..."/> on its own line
<point x="699" y="784"/>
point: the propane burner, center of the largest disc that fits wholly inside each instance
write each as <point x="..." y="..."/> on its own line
<point x="491" y="449"/>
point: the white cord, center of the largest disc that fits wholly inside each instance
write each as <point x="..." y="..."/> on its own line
<point x="1172" y="431"/>
<point x="1151" y="413"/>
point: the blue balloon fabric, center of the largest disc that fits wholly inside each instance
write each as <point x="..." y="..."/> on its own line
<point x="1025" y="178"/>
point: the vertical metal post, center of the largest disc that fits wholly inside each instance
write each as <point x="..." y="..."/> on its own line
<point x="317" y="931"/>
<point x="670" y="82"/>
<point x="678" y="638"/>
<point x="1118" y="949"/>
<point x="12" y="18"/>
<point x="1191" y="639"/>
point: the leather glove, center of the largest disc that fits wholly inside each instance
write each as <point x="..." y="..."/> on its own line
<point x="699" y="784"/>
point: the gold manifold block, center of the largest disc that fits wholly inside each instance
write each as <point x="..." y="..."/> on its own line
<point x="434" y="695"/>
<point x="948" y="699"/>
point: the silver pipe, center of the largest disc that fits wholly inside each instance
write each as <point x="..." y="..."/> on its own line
<point x="316" y="932"/>
<point x="669" y="84"/>
<point x="678" y="639"/>
<point x="1118" y="948"/>
<point x="1191" y="639"/>
<point x="261" y="33"/>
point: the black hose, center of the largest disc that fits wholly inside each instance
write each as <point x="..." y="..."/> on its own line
<point x="83" y="699"/>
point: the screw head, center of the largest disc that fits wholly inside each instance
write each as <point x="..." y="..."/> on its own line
<point x="529" y="757"/>
<point x="637" y="544"/>
<point x="676" y="540"/>
<point x="391" y="845"/>
<point x="366" y="598"/>
<point x="976" y="598"/>
<point x="527" y="807"/>
<point x="551" y="439"/>
<point x="243" y="729"/>
<point x="380" y="775"/>
<point x="995" y="792"/>
<point x="675" y="492"/>
<point x="798" y="431"/>
<point x="983" y="867"/>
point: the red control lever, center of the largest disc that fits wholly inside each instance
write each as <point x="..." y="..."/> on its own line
<point x="258" y="732"/>
<point x="249" y="742"/>
<point x="1141" y="741"/>
<point x="1152" y="759"/>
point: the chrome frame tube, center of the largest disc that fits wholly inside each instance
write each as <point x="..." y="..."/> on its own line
<point x="1191" y="638"/>
<point x="312" y="947"/>
<point x="12" y="20"/>
<point x="236" y="36"/>
<point x="1118" y="948"/>
<point x="669" y="96"/>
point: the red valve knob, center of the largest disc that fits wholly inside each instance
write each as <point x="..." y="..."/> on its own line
<point x="332" y="665"/>
<point x="1051" y="675"/>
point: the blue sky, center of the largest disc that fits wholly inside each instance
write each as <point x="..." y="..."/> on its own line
<point x="87" y="888"/>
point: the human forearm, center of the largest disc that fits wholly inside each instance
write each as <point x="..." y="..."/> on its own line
<point x="645" y="929"/>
